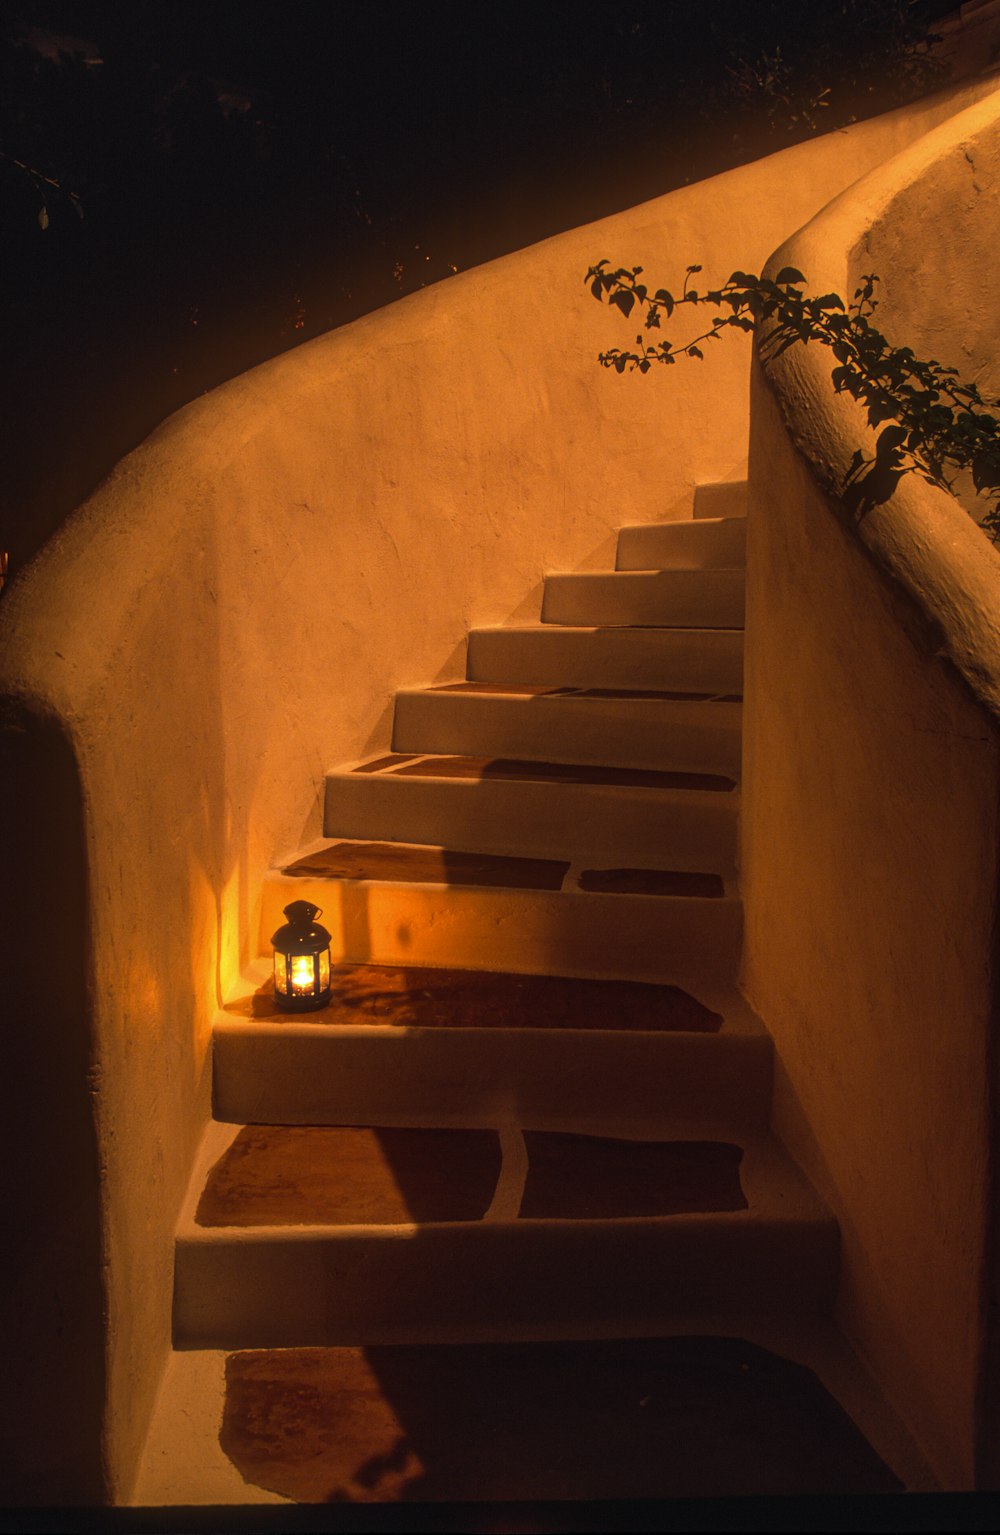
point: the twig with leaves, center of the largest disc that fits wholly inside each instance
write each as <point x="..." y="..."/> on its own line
<point x="44" y="185"/>
<point x="939" y="425"/>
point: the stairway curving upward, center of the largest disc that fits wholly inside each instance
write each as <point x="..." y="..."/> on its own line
<point x="534" y="897"/>
<point x="537" y="1106"/>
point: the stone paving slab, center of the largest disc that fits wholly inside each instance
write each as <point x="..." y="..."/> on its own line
<point x="331" y="1175"/>
<point x="408" y="862"/>
<point x="415" y="996"/>
<point x="639" y="1418"/>
<point x="300" y="1175"/>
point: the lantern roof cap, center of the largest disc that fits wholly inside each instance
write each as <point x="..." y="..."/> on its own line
<point x="301" y="932"/>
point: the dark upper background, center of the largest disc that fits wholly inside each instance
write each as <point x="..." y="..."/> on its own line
<point x="233" y="177"/>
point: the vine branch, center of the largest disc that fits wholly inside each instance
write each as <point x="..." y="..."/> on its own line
<point x="932" y="422"/>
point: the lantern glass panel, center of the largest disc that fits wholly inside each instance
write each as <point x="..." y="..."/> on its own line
<point x="280" y="972"/>
<point x="303" y="974"/>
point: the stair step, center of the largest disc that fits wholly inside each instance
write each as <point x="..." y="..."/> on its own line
<point x="695" y="599"/>
<point x="416" y="1045"/>
<point x="637" y="1418"/>
<point x="641" y="730"/>
<point x="631" y="816"/>
<point x="721" y="498"/>
<point x="358" y="1235"/>
<point x="417" y="904"/>
<point x="712" y="543"/>
<point x="682" y="660"/>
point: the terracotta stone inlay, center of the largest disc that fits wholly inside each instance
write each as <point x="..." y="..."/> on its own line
<point x="513" y="689"/>
<point x="303" y="1175"/>
<point x="715" y="698"/>
<point x="429" y="865"/>
<point x="418" y="997"/>
<point x="543" y="690"/>
<point x="589" y="1177"/>
<point x="480" y="768"/>
<point x="639" y="1418"/>
<point x="678" y="882"/>
<point x="379" y="764"/>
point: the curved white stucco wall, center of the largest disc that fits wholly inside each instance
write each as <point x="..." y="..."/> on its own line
<point x="231" y="612"/>
<point x="871" y="773"/>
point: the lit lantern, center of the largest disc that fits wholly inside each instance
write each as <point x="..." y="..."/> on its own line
<point x="301" y="960"/>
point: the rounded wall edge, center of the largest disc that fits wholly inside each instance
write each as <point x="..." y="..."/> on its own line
<point x="921" y="537"/>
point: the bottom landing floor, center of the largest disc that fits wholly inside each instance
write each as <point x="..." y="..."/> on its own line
<point x="738" y="1408"/>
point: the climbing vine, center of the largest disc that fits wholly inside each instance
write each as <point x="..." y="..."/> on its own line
<point x="929" y="420"/>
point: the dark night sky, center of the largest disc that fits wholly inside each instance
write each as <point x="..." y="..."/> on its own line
<point x="253" y="172"/>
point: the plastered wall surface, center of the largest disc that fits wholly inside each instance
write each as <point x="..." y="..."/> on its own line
<point x="232" y="611"/>
<point x="870" y="814"/>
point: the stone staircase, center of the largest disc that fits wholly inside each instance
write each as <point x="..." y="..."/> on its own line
<point x="537" y="1106"/>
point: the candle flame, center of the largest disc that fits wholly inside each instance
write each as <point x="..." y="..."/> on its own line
<point x="303" y="973"/>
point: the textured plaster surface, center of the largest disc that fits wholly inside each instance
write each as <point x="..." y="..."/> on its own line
<point x="211" y="627"/>
<point x="870" y="824"/>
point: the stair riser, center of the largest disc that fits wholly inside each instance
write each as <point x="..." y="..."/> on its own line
<point x="609" y="826"/>
<point x="726" y="498"/>
<point x="474" y="1282"/>
<point x="680" y="737"/>
<point x="280" y="1074"/>
<point x="695" y="599"/>
<point x="538" y="932"/>
<point x="705" y="545"/>
<point x="706" y="661"/>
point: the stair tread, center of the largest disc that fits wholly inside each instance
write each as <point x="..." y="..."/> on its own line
<point x="368" y="1178"/>
<point x="414" y="901"/>
<point x="679" y="522"/>
<point x="483" y="769"/>
<point x="644" y="633"/>
<point x="422" y="863"/>
<point x="539" y="690"/>
<point x="421" y="996"/>
<point x="333" y="1175"/>
<point x="662" y="574"/>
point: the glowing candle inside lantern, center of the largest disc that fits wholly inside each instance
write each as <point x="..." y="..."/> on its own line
<point x="303" y="973"/>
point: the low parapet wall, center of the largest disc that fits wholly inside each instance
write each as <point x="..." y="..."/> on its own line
<point x="871" y="772"/>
